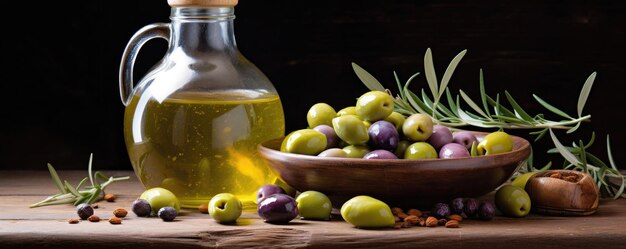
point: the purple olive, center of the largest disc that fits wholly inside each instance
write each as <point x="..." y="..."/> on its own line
<point x="464" y="138"/>
<point x="453" y="150"/>
<point x="332" y="140"/>
<point x="456" y="206"/>
<point x="380" y="154"/>
<point x="278" y="208"/>
<point x="441" y="210"/>
<point x="471" y="206"/>
<point x="383" y="135"/>
<point x="267" y="190"/>
<point x="487" y="210"/>
<point x="440" y="137"/>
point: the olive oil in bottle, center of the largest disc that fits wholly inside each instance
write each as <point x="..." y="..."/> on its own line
<point x="199" y="144"/>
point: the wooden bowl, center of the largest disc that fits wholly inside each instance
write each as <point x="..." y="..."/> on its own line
<point x="563" y="193"/>
<point x="398" y="182"/>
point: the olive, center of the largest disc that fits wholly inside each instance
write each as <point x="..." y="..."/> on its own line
<point x="396" y="119"/>
<point x="333" y="152"/>
<point x="331" y="137"/>
<point x="141" y="207"/>
<point x="278" y="208"/>
<point x="225" y="207"/>
<point x="440" y="210"/>
<point x="487" y="210"/>
<point x="84" y="210"/>
<point x="418" y="127"/>
<point x="367" y="212"/>
<point x="167" y="213"/>
<point x="267" y="190"/>
<point x="351" y="129"/>
<point x="159" y="197"/>
<point x="456" y="206"/>
<point x="380" y="154"/>
<point x="420" y="150"/>
<point x="470" y="206"/>
<point x="356" y="151"/>
<point x="495" y="143"/>
<point x="402" y="145"/>
<point x="304" y="141"/>
<point x="465" y="138"/>
<point x="441" y="136"/>
<point x="314" y="205"/>
<point x="350" y="110"/>
<point x="374" y="105"/>
<point x="453" y="150"/>
<point x="383" y="135"/>
<point x="320" y="113"/>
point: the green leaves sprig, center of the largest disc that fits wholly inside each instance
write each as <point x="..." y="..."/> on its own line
<point x="76" y="195"/>
<point x="491" y="112"/>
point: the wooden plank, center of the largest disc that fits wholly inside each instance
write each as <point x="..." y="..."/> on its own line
<point x="47" y="227"/>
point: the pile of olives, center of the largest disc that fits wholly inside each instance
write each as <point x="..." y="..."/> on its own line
<point x="373" y="130"/>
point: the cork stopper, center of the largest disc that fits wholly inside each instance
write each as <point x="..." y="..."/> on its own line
<point x="205" y="3"/>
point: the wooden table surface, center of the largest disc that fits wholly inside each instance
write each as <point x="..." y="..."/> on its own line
<point x="47" y="227"/>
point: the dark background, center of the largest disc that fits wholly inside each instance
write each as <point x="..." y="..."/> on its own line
<point x="60" y="87"/>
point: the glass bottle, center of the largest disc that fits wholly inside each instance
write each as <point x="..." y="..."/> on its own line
<point x="192" y="123"/>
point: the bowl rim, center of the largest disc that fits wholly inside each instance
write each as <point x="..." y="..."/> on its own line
<point x="523" y="148"/>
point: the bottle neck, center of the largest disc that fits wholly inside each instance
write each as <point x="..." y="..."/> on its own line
<point x="203" y="29"/>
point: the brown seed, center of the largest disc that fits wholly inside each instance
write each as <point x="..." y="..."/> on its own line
<point x="203" y="208"/>
<point x="94" y="218"/>
<point x="422" y="222"/>
<point x="115" y="220"/>
<point x="431" y="221"/>
<point x="415" y="212"/>
<point x="455" y="217"/>
<point x="110" y="197"/>
<point x="402" y="215"/>
<point x="452" y="224"/>
<point x="120" y="212"/>
<point x="73" y="221"/>
<point x="94" y="206"/>
<point x="412" y="219"/>
<point x="396" y="210"/>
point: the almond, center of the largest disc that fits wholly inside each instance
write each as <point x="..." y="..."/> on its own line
<point x="94" y="218"/>
<point x="73" y="221"/>
<point x="412" y="219"/>
<point x="120" y="212"/>
<point x="431" y="221"/>
<point x="115" y="220"/>
<point x="452" y="224"/>
<point x="110" y="197"/>
<point x="415" y="212"/>
<point x="455" y="217"/>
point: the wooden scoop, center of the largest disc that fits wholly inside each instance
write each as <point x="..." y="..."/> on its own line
<point x="563" y="193"/>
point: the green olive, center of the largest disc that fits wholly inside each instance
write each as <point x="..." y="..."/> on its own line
<point x="420" y="150"/>
<point x="350" y="110"/>
<point x="159" y="197"/>
<point x="367" y="212"/>
<point x="495" y="143"/>
<point x="351" y="129"/>
<point x="304" y="141"/>
<point x="396" y="119"/>
<point x="319" y="114"/>
<point x="314" y="205"/>
<point x="418" y="127"/>
<point x="356" y="151"/>
<point x="333" y="152"/>
<point x="374" y="105"/>
<point x="402" y="145"/>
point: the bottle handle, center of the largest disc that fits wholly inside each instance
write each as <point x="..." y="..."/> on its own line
<point x="156" y="30"/>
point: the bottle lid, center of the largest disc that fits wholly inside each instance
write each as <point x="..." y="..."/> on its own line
<point x="207" y="3"/>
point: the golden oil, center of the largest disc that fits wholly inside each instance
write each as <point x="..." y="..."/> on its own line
<point x="199" y="144"/>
